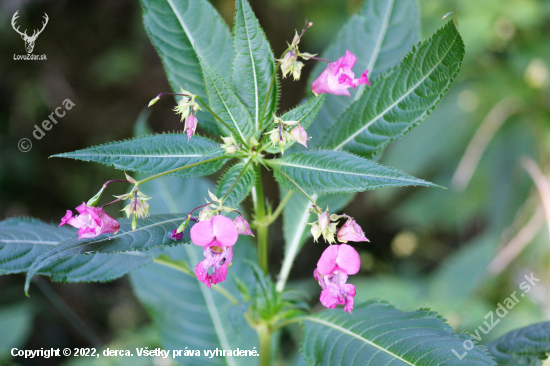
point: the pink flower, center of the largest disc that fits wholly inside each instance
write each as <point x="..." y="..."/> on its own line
<point x="338" y="77"/>
<point x="219" y="231"/>
<point x="217" y="236"/>
<point x="91" y="222"/>
<point x="300" y="135"/>
<point x="351" y="231"/>
<point x="190" y="125"/>
<point x="333" y="268"/>
<point x="218" y="258"/>
<point x="242" y="226"/>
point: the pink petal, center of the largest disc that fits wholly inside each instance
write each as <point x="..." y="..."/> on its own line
<point x="350" y="293"/>
<point x="202" y="233"/>
<point x="329" y="299"/>
<point x="82" y="208"/>
<point x="242" y="226"/>
<point x="108" y="224"/>
<point x="219" y="275"/>
<point x="224" y="231"/>
<point x="65" y="219"/>
<point x="348" y="60"/>
<point x="348" y="259"/>
<point x="327" y="263"/>
<point x="201" y="271"/>
<point x="320" y="85"/>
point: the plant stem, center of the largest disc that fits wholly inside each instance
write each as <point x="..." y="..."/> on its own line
<point x="259" y="208"/>
<point x="182" y="167"/>
<point x="264" y="336"/>
<point x="271" y="219"/>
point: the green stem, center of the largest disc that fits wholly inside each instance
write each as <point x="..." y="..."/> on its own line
<point x="235" y="182"/>
<point x="186" y="270"/>
<point x="181" y="168"/>
<point x="271" y="219"/>
<point x="259" y="208"/>
<point x="264" y="336"/>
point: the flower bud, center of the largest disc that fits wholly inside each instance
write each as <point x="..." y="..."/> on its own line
<point x="190" y="125"/>
<point x="315" y="232"/>
<point x="183" y="225"/>
<point x="230" y="145"/>
<point x="153" y="101"/>
<point x="299" y="134"/>
<point x="205" y="214"/>
<point x="287" y="63"/>
<point x="95" y="199"/>
<point x="351" y="231"/>
<point x="242" y="226"/>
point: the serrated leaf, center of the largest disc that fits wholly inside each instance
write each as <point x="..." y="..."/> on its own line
<point x="380" y="35"/>
<point x="155" y="154"/>
<point x="254" y="64"/>
<point x="379" y="334"/>
<point x="153" y="231"/>
<point x="179" y="29"/>
<point x="322" y="171"/>
<point x="401" y="98"/>
<point x="305" y="113"/>
<point x="22" y="240"/>
<point x="242" y="187"/>
<point x="227" y="105"/>
<point x="524" y="346"/>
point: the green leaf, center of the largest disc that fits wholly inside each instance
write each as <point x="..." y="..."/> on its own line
<point x="242" y="187"/>
<point x="153" y="231"/>
<point x="22" y="240"/>
<point x="401" y="98"/>
<point x="380" y="35"/>
<point x="181" y="29"/>
<point x="155" y="154"/>
<point x="189" y="314"/>
<point x="524" y="346"/>
<point x="322" y="171"/>
<point x="379" y="334"/>
<point x="305" y="113"/>
<point x="254" y="64"/>
<point x="227" y="105"/>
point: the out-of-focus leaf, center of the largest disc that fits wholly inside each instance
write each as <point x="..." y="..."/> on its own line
<point x="181" y="29"/>
<point x="15" y="327"/>
<point x="525" y="346"/>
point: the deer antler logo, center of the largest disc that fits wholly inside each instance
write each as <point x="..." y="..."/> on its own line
<point x="29" y="41"/>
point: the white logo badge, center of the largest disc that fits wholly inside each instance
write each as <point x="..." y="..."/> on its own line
<point x="29" y="40"/>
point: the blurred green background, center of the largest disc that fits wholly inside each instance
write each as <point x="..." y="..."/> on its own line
<point x="459" y="251"/>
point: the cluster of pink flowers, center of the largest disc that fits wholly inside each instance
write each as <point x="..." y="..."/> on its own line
<point x="338" y="260"/>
